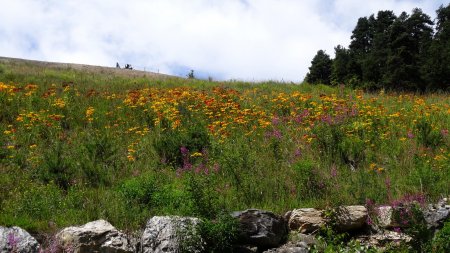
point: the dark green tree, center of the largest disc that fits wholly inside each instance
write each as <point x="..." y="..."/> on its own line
<point x="320" y="70"/>
<point x="341" y="69"/>
<point x="409" y="40"/>
<point x="436" y="66"/>
<point x="374" y="64"/>
<point x="360" y="45"/>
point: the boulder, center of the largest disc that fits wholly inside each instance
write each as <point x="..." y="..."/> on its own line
<point x="95" y="236"/>
<point x="387" y="219"/>
<point x="298" y="243"/>
<point x="435" y="215"/>
<point x="299" y="247"/>
<point x="260" y="228"/>
<point x="306" y="220"/>
<point x="15" y="239"/>
<point x="350" y="218"/>
<point x="171" y="234"/>
<point x="385" y="238"/>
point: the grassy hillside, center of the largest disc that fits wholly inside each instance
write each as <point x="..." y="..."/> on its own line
<point x="78" y="145"/>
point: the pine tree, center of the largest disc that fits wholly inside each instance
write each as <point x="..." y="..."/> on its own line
<point x="436" y="67"/>
<point x="320" y="70"/>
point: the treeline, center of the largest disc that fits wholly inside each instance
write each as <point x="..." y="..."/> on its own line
<point x="406" y="52"/>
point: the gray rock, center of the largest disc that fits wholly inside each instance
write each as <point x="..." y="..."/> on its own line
<point x="15" y="239"/>
<point x="301" y="248"/>
<point x="309" y="240"/>
<point x="386" y="218"/>
<point x="436" y="215"/>
<point x="298" y="243"/>
<point x="95" y="236"/>
<point x="384" y="238"/>
<point x="306" y="220"/>
<point x="261" y="228"/>
<point x="350" y="218"/>
<point x="171" y="234"/>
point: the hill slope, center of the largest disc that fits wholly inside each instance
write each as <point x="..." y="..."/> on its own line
<point x="35" y="66"/>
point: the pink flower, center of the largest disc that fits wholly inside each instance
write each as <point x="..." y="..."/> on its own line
<point x="410" y="135"/>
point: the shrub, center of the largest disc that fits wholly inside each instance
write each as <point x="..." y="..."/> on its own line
<point x="57" y="166"/>
<point x="311" y="186"/>
<point x="203" y="197"/>
<point x="195" y="139"/>
<point x="139" y="190"/>
<point x="441" y="242"/>
<point x="220" y="234"/>
<point x="427" y="136"/>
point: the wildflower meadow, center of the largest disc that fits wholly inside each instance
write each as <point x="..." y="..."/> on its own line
<point x="78" y="146"/>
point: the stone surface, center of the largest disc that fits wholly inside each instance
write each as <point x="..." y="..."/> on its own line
<point x="261" y="228"/>
<point x="386" y="219"/>
<point x="350" y="218"/>
<point x="15" y="239"/>
<point x="300" y="247"/>
<point x="95" y="236"/>
<point x="169" y="234"/>
<point x="435" y="215"/>
<point x="384" y="238"/>
<point x="298" y="243"/>
<point x="306" y="220"/>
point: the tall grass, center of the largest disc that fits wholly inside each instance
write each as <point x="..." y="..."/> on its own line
<point x="77" y="146"/>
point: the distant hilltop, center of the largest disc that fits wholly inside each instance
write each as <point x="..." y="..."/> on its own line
<point x="83" y="67"/>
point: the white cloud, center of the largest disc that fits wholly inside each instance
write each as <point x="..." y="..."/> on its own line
<point x="250" y="40"/>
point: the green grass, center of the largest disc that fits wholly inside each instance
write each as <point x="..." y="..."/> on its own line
<point x="80" y="146"/>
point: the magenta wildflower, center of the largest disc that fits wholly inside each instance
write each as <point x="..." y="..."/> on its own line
<point x="410" y="135"/>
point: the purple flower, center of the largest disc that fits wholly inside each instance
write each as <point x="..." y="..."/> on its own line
<point x="410" y="135"/>
<point x="327" y="119"/>
<point x="333" y="170"/>
<point x="397" y="229"/>
<point x="13" y="240"/>
<point x="184" y="150"/>
<point x="275" y="121"/>
<point x="277" y="134"/>
<point x="216" y="167"/>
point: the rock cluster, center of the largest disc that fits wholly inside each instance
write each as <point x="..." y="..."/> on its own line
<point x="95" y="236"/>
<point x="16" y="239"/>
<point x="259" y="231"/>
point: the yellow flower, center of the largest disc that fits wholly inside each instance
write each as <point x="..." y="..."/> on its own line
<point x="196" y="154"/>
<point x="33" y="146"/>
<point x="10" y="147"/>
<point x="89" y="112"/>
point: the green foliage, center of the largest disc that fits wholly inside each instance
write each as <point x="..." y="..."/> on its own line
<point x="170" y="141"/>
<point x="219" y="234"/>
<point x="204" y="198"/>
<point x="320" y="70"/>
<point x="311" y="185"/>
<point x="140" y="190"/>
<point x="270" y="146"/>
<point x="57" y="167"/>
<point x="417" y="228"/>
<point x="441" y="242"/>
<point x="397" y="52"/>
<point x="427" y="136"/>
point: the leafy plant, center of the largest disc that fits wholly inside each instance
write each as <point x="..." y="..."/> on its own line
<point x="220" y="234"/>
<point x="441" y="242"/>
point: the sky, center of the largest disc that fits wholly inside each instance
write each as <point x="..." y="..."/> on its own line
<point x="250" y="40"/>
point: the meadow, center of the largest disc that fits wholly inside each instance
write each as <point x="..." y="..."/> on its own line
<point x="77" y="146"/>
